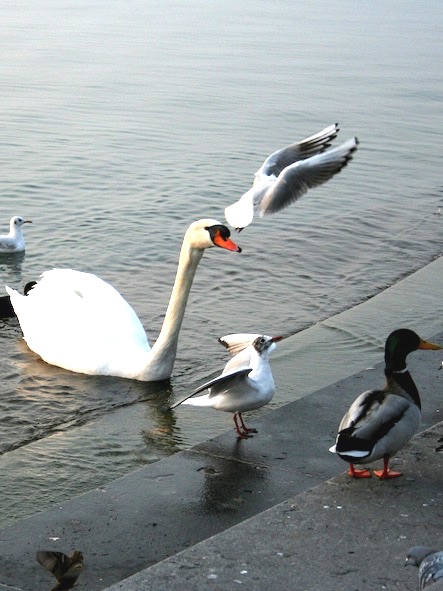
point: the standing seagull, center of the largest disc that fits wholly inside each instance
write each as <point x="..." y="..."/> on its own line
<point x="289" y="173"/>
<point x="246" y="383"/>
<point x="14" y="241"/>
<point x="380" y="422"/>
<point x="430" y="565"/>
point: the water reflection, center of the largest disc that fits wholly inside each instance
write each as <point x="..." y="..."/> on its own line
<point x="11" y="265"/>
<point x="44" y="399"/>
<point x="229" y="483"/>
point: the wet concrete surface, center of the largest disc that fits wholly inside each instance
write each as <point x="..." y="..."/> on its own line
<point x="168" y="507"/>
<point x="345" y="534"/>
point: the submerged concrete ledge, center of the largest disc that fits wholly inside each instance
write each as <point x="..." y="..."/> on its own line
<point x="171" y="516"/>
<point x="160" y="510"/>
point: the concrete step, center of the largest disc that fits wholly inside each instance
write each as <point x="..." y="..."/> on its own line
<point x="162" y="509"/>
<point x="343" y="534"/>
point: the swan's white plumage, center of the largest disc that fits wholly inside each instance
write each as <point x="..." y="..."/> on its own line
<point x="91" y="325"/>
<point x="77" y="321"/>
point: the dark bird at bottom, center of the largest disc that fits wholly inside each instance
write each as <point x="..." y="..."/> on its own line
<point x="380" y="422"/>
<point x="6" y="309"/>
<point x="430" y="566"/>
<point x="66" y="569"/>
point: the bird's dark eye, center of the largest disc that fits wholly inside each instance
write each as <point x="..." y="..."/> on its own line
<point x="223" y="230"/>
<point x="219" y="229"/>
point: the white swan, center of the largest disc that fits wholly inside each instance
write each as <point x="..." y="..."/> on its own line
<point x="289" y="173"/>
<point x="77" y="321"/>
<point x="14" y="241"/>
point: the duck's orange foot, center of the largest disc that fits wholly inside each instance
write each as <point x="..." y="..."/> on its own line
<point x="382" y="474"/>
<point x="358" y="473"/>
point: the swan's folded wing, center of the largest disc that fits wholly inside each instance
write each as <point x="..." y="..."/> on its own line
<point x="310" y="146"/>
<point x="298" y="178"/>
<point x="220" y="381"/>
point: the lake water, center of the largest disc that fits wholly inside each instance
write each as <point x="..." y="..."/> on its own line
<point x="122" y="122"/>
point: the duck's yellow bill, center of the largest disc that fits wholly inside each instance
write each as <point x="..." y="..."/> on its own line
<point x="426" y="345"/>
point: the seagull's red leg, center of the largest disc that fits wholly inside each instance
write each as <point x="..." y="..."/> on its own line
<point x="358" y="473"/>
<point x="244" y="427"/>
<point x="240" y="427"/>
<point x="387" y="472"/>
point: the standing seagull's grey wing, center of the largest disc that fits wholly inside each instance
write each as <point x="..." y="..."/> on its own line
<point x="310" y="146"/>
<point x="298" y="178"/>
<point x="223" y="380"/>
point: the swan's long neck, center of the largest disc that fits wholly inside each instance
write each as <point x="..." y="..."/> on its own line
<point x="162" y="354"/>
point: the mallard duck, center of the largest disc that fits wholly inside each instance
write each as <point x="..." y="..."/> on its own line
<point x="380" y="422"/>
<point x="246" y="382"/>
<point x="77" y="321"/>
<point x="289" y="173"/>
<point x="14" y="241"/>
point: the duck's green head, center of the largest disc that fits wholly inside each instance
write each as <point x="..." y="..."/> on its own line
<point x="400" y="343"/>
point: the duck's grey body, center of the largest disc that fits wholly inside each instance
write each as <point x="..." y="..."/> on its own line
<point x="380" y="422"/>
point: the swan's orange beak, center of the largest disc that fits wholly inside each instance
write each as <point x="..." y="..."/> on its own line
<point x="226" y="243"/>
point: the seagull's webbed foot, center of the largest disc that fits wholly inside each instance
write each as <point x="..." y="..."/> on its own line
<point x="243" y="431"/>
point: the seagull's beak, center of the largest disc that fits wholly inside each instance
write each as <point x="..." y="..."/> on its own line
<point x="27" y="221"/>
<point x="277" y="339"/>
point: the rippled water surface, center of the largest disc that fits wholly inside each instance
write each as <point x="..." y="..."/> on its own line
<point x="122" y="122"/>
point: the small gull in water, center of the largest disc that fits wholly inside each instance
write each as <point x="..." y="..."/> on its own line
<point x="14" y="241"/>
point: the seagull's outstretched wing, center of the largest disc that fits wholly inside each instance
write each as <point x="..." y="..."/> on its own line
<point x="222" y="380"/>
<point x="296" y="180"/>
<point x="310" y="146"/>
